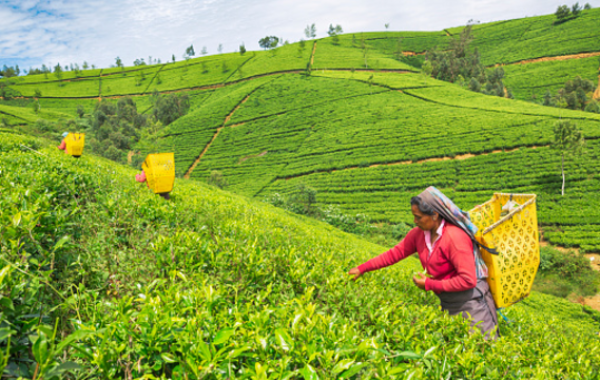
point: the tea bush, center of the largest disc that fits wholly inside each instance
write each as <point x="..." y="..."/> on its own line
<point x="101" y="278"/>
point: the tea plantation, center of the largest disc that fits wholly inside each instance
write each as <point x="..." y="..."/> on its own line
<point x="99" y="278"/>
<point x="359" y="139"/>
<point x="306" y="113"/>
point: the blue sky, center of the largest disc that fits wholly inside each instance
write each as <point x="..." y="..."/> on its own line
<point x="48" y="32"/>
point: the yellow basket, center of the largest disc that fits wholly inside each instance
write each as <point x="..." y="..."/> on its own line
<point x="75" y="143"/>
<point x="160" y="172"/>
<point x="515" y="238"/>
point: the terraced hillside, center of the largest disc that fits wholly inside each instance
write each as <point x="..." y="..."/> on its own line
<point x="99" y="278"/>
<point x="499" y="43"/>
<point x="367" y="142"/>
<point x="353" y="119"/>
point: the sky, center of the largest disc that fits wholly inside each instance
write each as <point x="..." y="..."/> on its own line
<point x="34" y="32"/>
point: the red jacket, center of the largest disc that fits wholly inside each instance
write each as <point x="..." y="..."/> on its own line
<point x="451" y="264"/>
<point x="63" y="146"/>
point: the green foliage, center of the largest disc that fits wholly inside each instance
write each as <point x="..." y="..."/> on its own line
<point x="565" y="273"/>
<point x="550" y="76"/>
<point x="575" y="93"/>
<point x="310" y="31"/>
<point x="168" y="108"/>
<point x="562" y="13"/>
<point x="568" y="140"/>
<point x="269" y="42"/>
<point x="218" y="286"/>
<point x="460" y="65"/>
<point x="189" y="52"/>
<point x="7" y="92"/>
<point x="216" y="179"/>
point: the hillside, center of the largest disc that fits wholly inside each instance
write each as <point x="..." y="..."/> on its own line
<point x="114" y="282"/>
<point x="353" y="118"/>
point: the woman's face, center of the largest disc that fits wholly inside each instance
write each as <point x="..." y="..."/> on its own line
<point x="424" y="221"/>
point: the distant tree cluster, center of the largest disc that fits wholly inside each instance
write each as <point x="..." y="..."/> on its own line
<point x="334" y="32"/>
<point x="7" y="92"/>
<point x="269" y="42"/>
<point x="114" y="129"/>
<point x="563" y="13"/>
<point x="577" y="94"/>
<point x="460" y="66"/>
<point x="9" y="71"/>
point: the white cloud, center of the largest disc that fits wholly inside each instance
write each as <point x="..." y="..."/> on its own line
<point x="68" y="31"/>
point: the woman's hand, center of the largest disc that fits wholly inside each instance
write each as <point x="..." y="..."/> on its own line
<point x="355" y="272"/>
<point x="419" y="280"/>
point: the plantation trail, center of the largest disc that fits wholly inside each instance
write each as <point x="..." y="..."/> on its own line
<point x="252" y="156"/>
<point x="596" y="95"/>
<point x="227" y="118"/>
<point x="412" y="53"/>
<point x="130" y="155"/>
<point x="434" y="159"/>
<point x="312" y="57"/>
<point x="547" y="59"/>
<point x="593" y="301"/>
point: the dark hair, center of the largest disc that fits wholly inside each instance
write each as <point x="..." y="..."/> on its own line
<point x="423" y="206"/>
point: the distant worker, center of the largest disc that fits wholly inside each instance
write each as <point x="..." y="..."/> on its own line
<point x="142" y="178"/>
<point x="454" y="270"/>
<point x="63" y="144"/>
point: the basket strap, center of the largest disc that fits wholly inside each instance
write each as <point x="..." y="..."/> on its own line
<point x="490" y="250"/>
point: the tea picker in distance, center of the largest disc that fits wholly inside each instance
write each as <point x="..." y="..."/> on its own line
<point x="142" y="178"/>
<point x="158" y="171"/>
<point x="72" y="143"/>
<point x="445" y="242"/>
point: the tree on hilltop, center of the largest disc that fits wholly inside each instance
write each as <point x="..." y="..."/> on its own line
<point x="268" y="42"/>
<point x="242" y="49"/>
<point x="335" y="31"/>
<point x="189" y="52"/>
<point x="568" y="140"/>
<point x="7" y="72"/>
<point x="204" y="51"/>
<point x="562" y="13"/>
<point x="58" y="71"/>
<point x="119" y="63"/>
<point x="576" y="9"/>
<point x="310" y="31"/>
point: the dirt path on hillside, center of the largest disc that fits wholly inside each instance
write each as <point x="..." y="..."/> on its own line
<point x="227" y="118"/>
<point x="596" y="95"/>
<point x="434" y="159"/>
<point x="555" y="58"/>
<point x="130" y="155"/>
<point x="252" y="156"/>
<point x="593" y="301"/>
<point x="312" y="56"/>
<point x="412" y="53"/>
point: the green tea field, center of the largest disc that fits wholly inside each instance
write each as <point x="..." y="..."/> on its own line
<point x="101" y="279"/>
